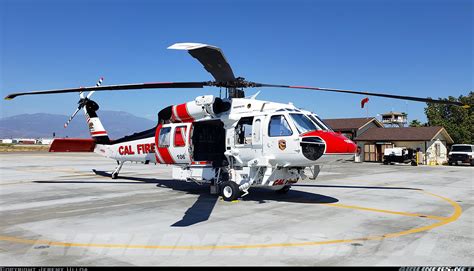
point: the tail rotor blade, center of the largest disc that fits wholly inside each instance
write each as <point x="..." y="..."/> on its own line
<point x="99" y="82"/>
<point x="96" y="85"/>
<point x="72" y="116"/>
<point x="90" y="94"/>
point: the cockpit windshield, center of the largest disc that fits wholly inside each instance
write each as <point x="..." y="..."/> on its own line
<point x="303" y="123"/>
<point x="320" y="123"/>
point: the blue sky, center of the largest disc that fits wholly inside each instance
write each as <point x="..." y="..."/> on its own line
<point x="418" y="47"/>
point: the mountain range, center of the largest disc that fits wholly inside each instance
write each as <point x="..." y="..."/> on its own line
<point x="42" y="125"/>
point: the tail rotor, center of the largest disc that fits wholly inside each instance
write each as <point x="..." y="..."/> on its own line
<point x="82" y="101"/>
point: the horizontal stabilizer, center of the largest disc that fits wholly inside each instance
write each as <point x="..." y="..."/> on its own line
<point x="72" y="145"/>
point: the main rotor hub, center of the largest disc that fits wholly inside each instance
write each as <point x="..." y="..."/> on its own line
<point x="239" y="82"/>
<point x="235" y="87"/>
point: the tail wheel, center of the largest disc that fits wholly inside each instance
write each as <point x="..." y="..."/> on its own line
<point x="230" y="191"/>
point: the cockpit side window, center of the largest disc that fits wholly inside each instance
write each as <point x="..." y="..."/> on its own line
<point x="278" y="126"/>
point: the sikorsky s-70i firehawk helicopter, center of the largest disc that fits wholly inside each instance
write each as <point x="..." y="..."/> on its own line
<point x="231" y="143"/>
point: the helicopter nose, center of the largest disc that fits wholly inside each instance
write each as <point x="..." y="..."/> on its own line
<point x="312" y="147"/>
<point x="335" y="143"/>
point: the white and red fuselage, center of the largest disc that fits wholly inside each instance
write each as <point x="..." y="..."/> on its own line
<point x="251" y="135"/>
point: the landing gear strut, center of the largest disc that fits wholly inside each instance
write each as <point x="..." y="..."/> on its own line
<point x="116" y="171"/>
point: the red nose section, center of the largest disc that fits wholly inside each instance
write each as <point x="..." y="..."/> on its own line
<point x="336" y="143"/>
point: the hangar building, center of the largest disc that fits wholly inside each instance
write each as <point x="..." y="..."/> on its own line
<point x="373" y="138"/>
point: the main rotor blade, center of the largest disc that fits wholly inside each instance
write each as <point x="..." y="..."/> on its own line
<point x="400" y="97"/>
<point x="115" y="87"/>
<point x="211" y="57"/>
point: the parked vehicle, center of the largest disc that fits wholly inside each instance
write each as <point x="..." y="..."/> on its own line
<point x="399" y="155"/>
<point x="460" y="154"/>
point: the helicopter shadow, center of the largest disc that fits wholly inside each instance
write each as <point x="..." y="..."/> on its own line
<point x="202" y="208"/>
<point x="357" y="187"/>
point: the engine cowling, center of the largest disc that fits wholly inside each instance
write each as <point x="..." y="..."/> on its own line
<point x="201" y="107"/>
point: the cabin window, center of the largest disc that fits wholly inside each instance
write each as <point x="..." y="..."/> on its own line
<point x="164" y="137"/>
<point x="278" y="126"/>
<point x="180" y="136"/>
<point x="243" y="131"/>
<point x="256" y="131"/>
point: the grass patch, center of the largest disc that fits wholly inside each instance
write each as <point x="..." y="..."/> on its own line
<point x="6" y="147"/>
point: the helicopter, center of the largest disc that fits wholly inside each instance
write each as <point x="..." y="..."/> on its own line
<point x="231" y="143"/>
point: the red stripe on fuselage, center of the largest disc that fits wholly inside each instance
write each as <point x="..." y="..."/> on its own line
<point x="174" y="116"/>
<point x="201" y="163"/>
<point x="183" y="114"/>
<point x="99" y="133"/>
<point x="165" y="154"/>
<point x="158" y="159"/>
<point x="162" y="151"/>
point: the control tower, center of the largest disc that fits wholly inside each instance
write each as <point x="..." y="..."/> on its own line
<point x="392" y="119"/>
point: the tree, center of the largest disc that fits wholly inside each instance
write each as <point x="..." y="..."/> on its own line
<point x="457" y="120"/>
<point x="416" y="123"/>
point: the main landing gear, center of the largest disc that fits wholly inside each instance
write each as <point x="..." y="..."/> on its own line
<point x="230" y="191"/>
<point x="221" y="185"/>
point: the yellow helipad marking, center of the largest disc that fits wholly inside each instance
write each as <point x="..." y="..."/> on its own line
<point x="456" y="214"/>
<point x="385" y="211"/>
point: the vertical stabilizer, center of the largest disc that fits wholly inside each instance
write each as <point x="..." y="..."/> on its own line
<point x="97" y="130"/>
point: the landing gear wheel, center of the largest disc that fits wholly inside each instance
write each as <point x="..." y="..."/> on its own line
<point x="230" y="191"/>
<point x="284" y="190"/>
<point x="114" y="176"/>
